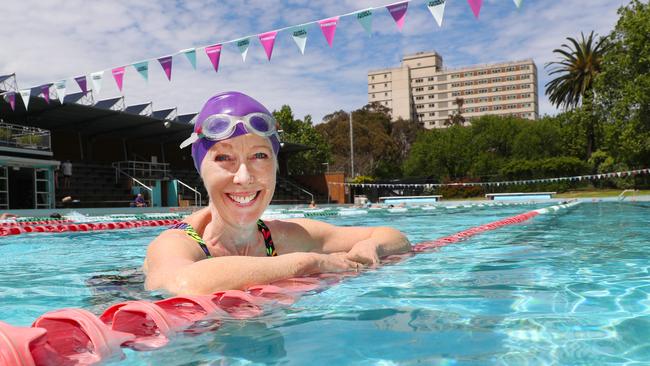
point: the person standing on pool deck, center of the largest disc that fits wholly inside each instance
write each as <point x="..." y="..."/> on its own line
<point x="226" y="245"/>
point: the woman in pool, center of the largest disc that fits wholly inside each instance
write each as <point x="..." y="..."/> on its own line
<point x="226" y="245"/>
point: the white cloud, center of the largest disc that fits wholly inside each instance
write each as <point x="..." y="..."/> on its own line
<point x="53" y="40"/>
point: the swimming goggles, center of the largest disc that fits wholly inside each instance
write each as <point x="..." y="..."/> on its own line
<point x="219" y="127"/>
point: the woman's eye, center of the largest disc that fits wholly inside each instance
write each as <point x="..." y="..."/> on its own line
<point x="221" y="158"/>
<point x="260" y="155"/>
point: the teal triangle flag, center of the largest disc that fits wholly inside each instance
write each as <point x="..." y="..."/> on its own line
<point x="143" y="69"/>
<point x="365" y="19"/>
<point x="190" y="53"/>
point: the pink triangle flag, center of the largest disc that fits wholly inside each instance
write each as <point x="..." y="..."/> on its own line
<point x="214" y="53"/>
<point x="81" y="81"/>
<point x="268" y="40"/>
<point x="398" y="12"/>
<point x="45" y="90"/>
<point x="118" y="75"/>
<point x="166" y="63"/>
<point x="476" y="6"/>
<point x="328" y="27"/>
<point x="12" y="100"/>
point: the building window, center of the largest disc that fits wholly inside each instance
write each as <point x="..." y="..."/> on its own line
<point x="372" y="78"/>
<point x="431" y="96"/>
<point x="418" y="80"/>
<point x="432" y="105"/>
<point x="419" y="89"/>
<point x="373" y="95"/>
<point x="430" y="79"/>
<point x="455" y="94"/>
<point x="373" y="86"/>
<point x="385" y="85"/>
<point x="421" y="115"/>
<point x="385" y="94"/>
<point x="419" y="98"/>
<point x="431" y="114"/>
<point x="430" y="88"/>
<point x="419" y="106"/>
<point x="385" y="76"/>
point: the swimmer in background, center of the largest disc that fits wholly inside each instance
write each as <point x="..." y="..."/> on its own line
<point x="226" y="245"/>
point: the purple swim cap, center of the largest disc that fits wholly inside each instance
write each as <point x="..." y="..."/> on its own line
<point x="234" y="104"/>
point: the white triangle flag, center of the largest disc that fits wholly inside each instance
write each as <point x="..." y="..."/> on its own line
<point x="59" y="86"/>
<point x="242" y="46"/>
<point x="437" y="9"/>
<point x="518" y="3"/>
<point x="25" y="94"/>
<point x="96" y="78"/>
<point x="299" y="35"/>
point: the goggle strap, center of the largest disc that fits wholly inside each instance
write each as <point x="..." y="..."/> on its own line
<point x="192" y="139"/>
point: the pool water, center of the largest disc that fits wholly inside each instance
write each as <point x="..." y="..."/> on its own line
<point x="571" y="287"/>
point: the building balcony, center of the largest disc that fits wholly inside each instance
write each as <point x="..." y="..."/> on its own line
<point x="22" y="139"/>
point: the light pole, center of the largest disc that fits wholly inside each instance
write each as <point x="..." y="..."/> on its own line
<point x="351" y="147"/>
<point x="327" y="182"/>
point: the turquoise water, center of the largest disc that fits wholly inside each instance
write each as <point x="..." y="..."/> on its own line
<point x="566" y="288"/>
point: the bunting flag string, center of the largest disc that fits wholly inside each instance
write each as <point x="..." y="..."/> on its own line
<point x="143" y="69"/>
<point x="59" y="87"/>
<point x="299" y="34"/>
<point x="11" y="98"/>
<point x="81" y="81"/>
<point x="25" y="94"/>
<point x="476" y="6"/>
<point x="166" y="63"/>
<point x="328" y="27"/>
<point x="45" y="91"/>
<point x="621" y="174"/>
<point x="398" y="12"/>
<point x="364" y="17"/>
<point x="118" y="75"/>
<point x="96" y="78"/>
<point x="437" y="9"/>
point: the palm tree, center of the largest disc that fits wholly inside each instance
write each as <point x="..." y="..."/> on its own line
<point x="580" y="63"/>
<point x="456" y="118"/>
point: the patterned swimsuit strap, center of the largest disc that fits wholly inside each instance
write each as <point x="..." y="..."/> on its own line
<point x="261" y="226"/>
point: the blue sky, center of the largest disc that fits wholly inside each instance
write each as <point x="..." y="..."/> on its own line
<point x="50" y="41"/>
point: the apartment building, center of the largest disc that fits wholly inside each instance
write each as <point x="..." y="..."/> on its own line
<point x="422" y="90"/>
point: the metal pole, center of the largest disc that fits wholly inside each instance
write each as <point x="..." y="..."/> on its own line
<point x="351" y="147"/>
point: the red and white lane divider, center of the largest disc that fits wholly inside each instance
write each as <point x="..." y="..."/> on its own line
<point x="462" y="235"/>
<point x="60" y="227"/>
<point x="78" y="337"/>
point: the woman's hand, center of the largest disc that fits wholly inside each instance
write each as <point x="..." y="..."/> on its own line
<point x="364" y="252"/>
<point x="335" y="262"/>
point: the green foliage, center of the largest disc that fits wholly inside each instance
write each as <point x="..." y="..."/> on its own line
<point x="623" y="87"/>
<point x="563" y="166"/>
<point x="376" y="153"/>
<point x="363" y="179"/>
<point x="579" y="64"/>
<point x="441" y="153"/>
<point x="303" y="132"/>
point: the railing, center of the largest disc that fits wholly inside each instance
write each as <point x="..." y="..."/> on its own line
<point x="142" y="169"/>
<point x="195" y="193"/>
<point x="117" y="178"/>
<point x="24" y="137"/>
<point x="621" y="196"/>
<point x="297" y="186"/>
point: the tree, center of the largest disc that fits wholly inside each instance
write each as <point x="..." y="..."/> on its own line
<point x="577" y="69"/>
<point x="580" y="64"/>
<point x="374" y="149"/>
<point x="303" y="132"/>
<point x="623" y="87"/>
<point x="456" y="118"/>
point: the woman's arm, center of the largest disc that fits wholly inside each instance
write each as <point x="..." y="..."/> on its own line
<point x="363" y="244"/>
<point x="173" y="265"/>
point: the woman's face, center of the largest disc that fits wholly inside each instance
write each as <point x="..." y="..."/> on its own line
<point x="239" y="175"/>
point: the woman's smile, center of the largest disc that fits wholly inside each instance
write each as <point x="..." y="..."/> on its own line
<point x="243" y="199"/>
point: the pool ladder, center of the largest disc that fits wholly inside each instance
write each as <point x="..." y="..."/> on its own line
<point x="621" y="196"/>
